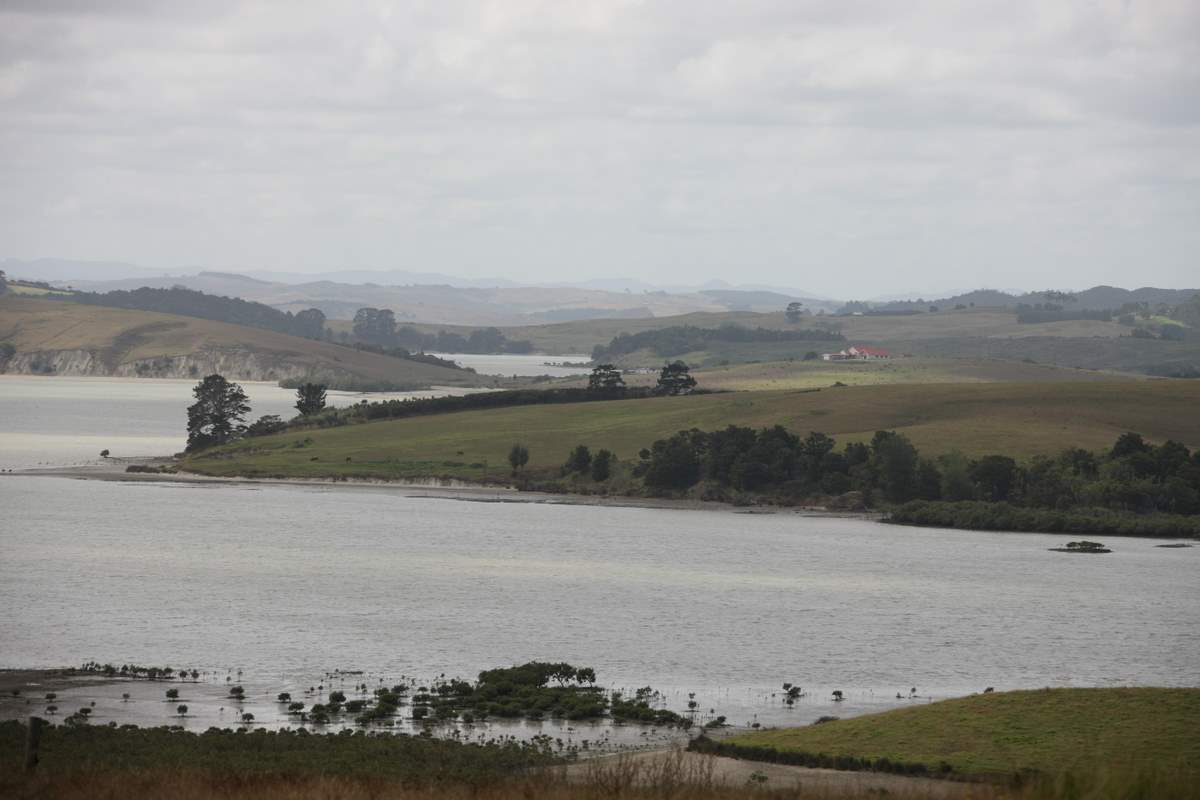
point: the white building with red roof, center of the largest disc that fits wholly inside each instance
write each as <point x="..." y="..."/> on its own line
<point x="857" y="353"/>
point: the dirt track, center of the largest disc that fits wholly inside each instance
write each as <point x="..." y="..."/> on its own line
<point x="659" y="767"/>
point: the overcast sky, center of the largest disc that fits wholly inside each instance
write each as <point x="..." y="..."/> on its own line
<point x="847" y="148"/>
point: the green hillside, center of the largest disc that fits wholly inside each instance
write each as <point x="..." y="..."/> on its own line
<point x="1018" y="419"/>
<point x="998" y="734"/>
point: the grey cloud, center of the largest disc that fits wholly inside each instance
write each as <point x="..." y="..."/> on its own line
<point x="814" y="143"/>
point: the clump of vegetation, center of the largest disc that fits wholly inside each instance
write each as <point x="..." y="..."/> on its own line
<point x="417" y="761"/>
<point x="1082" y="547"/>
<point x="132" y="671"/>
<point x="152" y="469"/>
<point x="536" y="690"/>
<point x="1136" y="488"/>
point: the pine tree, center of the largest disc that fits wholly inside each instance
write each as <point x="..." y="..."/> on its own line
<point x="216" y="416"/>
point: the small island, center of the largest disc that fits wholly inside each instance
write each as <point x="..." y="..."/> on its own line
<point x="1082" y="546"/>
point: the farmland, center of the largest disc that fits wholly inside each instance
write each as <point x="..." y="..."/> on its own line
<point x="1018" y="419"/>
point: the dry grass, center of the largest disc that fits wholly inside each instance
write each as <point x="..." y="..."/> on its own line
<point x="122" y="336"/>
<point x="615" y="780"/>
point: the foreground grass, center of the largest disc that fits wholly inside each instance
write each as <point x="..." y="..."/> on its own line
<point x="254" y="772"/>
<point x="1048" y="731"/>
<point x="405" y="759"/>
<point x="1016" y="419"/>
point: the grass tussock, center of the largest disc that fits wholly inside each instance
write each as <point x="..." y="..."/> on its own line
<point x="667" y="779"/>
<point x="662" y="776"/>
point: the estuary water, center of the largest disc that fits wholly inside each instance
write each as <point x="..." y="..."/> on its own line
<point x="290" y="582"/>
<point x="59" y="421"/>
<point x="532" y="364"/>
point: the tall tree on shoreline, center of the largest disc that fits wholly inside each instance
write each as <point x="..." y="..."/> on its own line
<point x="216" y="416"/>
<point x="310" y="398"/>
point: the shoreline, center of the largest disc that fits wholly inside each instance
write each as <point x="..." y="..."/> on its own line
<point x="432" y="488"/>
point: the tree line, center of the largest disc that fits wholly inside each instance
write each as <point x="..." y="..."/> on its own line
<point x="678" y="339"/>
<point x="1132" y="477"/>
<point x="377" y="326"/>
<point x="309" y="323"/>
<point x="604" y="383"/>
<point x="221" y="408"/>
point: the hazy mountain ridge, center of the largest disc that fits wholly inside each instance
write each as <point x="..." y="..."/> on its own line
<point x="435" y="298"/>
<point x="1094" y="299"/>
<point x="435" y="303"/>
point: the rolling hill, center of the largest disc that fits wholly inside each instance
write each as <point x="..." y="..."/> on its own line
<point x="53" y="337"/>
<point x="1017" y="419"/>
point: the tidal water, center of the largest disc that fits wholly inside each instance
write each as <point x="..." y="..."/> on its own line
<point x="59" y="421"/>
<point x="533" y="364"/>
<point x="289" y="582"/>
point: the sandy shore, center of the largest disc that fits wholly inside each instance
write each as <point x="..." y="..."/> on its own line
<point x="114" y="470"/>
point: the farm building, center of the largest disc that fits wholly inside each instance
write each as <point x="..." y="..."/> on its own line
<point x="855" y="353"/>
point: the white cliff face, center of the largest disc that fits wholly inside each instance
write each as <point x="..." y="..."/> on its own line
<point x="237" y="364"/>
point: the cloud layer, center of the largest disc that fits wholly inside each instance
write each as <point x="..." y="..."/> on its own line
<point x="849" y="148"/>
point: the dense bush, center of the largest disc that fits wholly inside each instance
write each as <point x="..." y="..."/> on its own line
<point x="1136" y="488"/>
<point x="411" y="759"/>
<point x="702" y="744"/>
<point x="978" y="515"/>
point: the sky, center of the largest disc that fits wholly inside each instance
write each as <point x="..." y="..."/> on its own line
<point x="852" y="149"/>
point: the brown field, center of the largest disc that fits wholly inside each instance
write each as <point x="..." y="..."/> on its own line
<point x="120" y="336"/>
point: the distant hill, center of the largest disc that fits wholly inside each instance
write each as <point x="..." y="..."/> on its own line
<point x="1096" y="298"/>
<point x="65" y="338"/>
<point x="446" y="304"/>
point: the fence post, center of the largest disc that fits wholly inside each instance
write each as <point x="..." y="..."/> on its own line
<point x="32" y="740"/>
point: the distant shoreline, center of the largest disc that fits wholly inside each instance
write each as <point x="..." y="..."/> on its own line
<point x="433" y="488"/>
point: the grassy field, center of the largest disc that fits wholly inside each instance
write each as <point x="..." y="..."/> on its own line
<point x="120" y="336"/>
<point x="1019" y="419"/>
<point x="768" y="375"/>
<point x="1048" y="730"/>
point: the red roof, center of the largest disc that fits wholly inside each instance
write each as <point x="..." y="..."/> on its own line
<point x="873" y="351"/>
